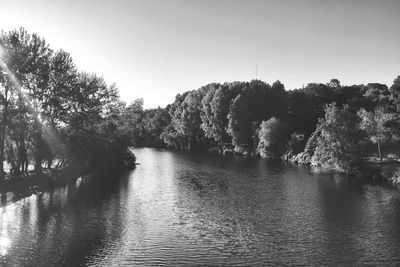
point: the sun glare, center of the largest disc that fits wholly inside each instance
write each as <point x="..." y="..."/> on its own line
<point x="49" y="136"/>
<point x="5" y="243"/>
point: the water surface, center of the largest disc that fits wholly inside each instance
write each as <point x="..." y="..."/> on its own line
<point x="181" y="209"/>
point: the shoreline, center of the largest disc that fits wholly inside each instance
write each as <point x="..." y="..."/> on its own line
<point x="35" y="182"/>
<point x="47" y="179"/>
<point x="387" y="171"/>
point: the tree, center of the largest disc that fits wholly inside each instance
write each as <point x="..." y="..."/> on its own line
<point x="256" y="102"/>
<point x="186" y="118"/>
<point x="376" y="125"/>
<point x="395" y="93"/>
<point x="376" y="94"/>
<point x="239" y="126"/>
<point x="49" y="109"/>
<point x="206" y="115"/>
<point x="338" y="142"/>
<point x="302" y="112"/>
<point x="56" y="99"/>
<point x="133" y="116"/>
<point x="60" y="94"/>
<point x="273" y="135"/>
<point x="154" y="122"/>
<point x="334" y="83"/>
<point x="25" y="63"/>
<point x="92" y="101"/>
<point x="215" y="107"/>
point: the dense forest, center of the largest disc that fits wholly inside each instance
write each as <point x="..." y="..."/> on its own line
<point x="321" y="124"/>
<point x="53" y="115"/>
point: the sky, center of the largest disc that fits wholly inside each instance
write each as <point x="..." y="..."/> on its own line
<point x="157" y="49"/>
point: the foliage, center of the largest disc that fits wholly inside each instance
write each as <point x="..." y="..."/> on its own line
<point x="217" y="115"/>
<point x="378" y="126"/>
<point x="257" y="101"/>
<point x="395" y="93"/>
<point x="154" y="122"/>
<point x="338" y="142"/>
<point x="273" y="136"/>
<point x="215" y="109"/>
<point x="302" y="112"/>
<point x="49" y="110"/>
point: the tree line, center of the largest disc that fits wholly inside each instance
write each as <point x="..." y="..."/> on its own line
<point x="327" y="123"/>
<point x="52" y="113"/>
<point x="50" y="110"/>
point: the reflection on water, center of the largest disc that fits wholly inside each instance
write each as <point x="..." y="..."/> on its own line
<point x="5" y="240"/>
<point x="180" y="209"/>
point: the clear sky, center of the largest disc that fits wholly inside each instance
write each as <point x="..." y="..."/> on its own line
<point x="156" y="49"/>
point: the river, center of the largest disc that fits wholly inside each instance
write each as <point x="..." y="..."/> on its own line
<point x="181" y="209"/>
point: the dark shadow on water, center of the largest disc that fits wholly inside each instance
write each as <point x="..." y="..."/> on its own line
<point x="61" y="225"/>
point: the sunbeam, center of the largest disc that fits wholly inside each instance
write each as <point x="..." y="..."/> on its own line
<point x="49" y="135"/>
<point x="6" y="218"/>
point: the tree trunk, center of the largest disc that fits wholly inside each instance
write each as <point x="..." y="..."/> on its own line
<point x="379" y="150"/>
<point x="3" y="132"/>
<point x="12" y="159"/>
<point x="38" y="152"/>
<point x="3" y="197"/>
<point x="38" y="163"/>
<point x="26" y="164"/>
<point x="2" y="137"/>
<point x="20" y="163"/>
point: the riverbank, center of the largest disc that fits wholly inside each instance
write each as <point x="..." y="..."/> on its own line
<point x="371" y="168"/>
<point x="39" y="181"/>
<point x="388" y="171"/>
